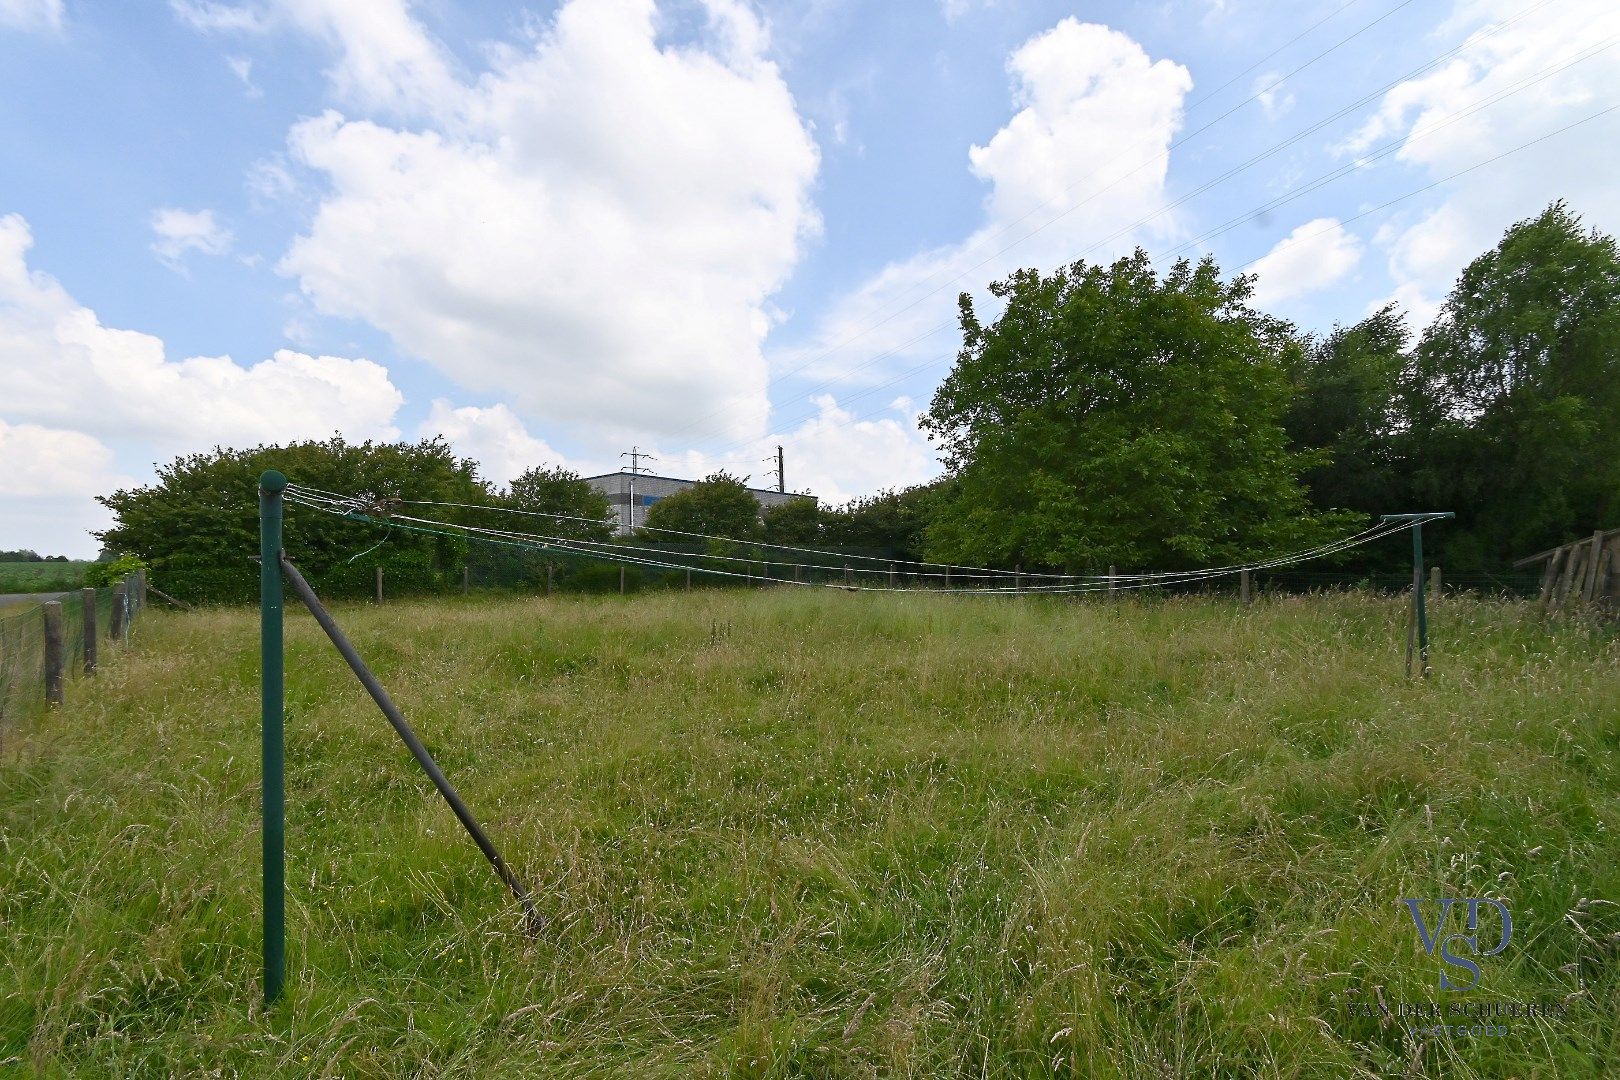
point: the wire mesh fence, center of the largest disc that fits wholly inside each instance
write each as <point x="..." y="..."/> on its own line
<point x="25" y="652"/>
<point x="647" y="565"/>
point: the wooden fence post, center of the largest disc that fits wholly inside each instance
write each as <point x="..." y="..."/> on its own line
<point x="1434" y="582"/>
<point x="550" y="566"/>
<point x="55" y="653"/>
<point x="621" y="579"/>
<point x="379" y="585"/>
<point x="1244" y="589"/>
<point x="140" y="589"/>
<point x="1574" y="566"/>
<point x="89" y="596"/>
<point x="1549" y="578"/>
<point x="119" y="623"/>
<point x="1589" y="584"/>
<point x="466" y="579"/>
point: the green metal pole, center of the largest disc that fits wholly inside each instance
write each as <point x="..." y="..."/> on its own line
<point x="273" y="829"/>
<point x="1417" y="599"/>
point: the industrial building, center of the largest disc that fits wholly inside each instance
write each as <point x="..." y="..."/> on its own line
<point x="630" y="493"/>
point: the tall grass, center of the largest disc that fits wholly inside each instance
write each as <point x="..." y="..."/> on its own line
<point x="824" y="834"/>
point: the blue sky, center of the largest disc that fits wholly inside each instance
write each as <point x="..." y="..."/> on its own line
<point x="553" y="231"/>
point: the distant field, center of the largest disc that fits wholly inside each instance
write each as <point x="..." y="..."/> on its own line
<point x="824" y="834"/>
<point x="16" y="577"/>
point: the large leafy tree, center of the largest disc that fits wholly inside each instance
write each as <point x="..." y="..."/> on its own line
<point x="197" y="524"/>
<point x="581" y="511"/>
<point x="1110" y="415"/>
<point x="891" y="523"/>
<point x="1514" y="393"/>
<point x="545" y="501"/>
<point x="800" y="522"/>
<point x="719" y="505"/>
<point x="1347" y="403"/>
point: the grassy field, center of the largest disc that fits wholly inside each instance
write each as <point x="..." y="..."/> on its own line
<point x="825" y="834"/>
<point x="22" y="577"/>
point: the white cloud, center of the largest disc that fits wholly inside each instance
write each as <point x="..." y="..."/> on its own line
<point x="242" y="68"/>
<point x="42" y="461"/>
<point x="592" y="229"/>
<point x="63" y="368"/>
<point x="495" y="437"/>
<point x="209" y="15"/>
<point x="1274" y="100"/>
<point x="1426" y="250"/>
<point x="1312" y="257"/>
<point x="832" y="454"/>
<point x="31" y="14"/>
<point x="955" y="9"/>
<point x="1086" y="152"/>
<point x="49" y="478"/>
<point x="181" y="231"/>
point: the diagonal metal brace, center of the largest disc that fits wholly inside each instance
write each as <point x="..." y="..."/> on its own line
<point x="533" y="921"/>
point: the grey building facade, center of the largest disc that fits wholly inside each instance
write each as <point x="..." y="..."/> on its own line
<point x="630" y="494"/>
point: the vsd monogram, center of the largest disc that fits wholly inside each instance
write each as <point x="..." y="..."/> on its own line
<point x="1450" y="944"/>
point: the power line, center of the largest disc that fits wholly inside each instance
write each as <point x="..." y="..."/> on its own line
<point x="1282" y="200"/>
<point x="1208" y="185"/>
<point x="1044" y="204"/>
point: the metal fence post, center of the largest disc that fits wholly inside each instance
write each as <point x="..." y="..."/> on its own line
<point x="55" y="652"/>
<point x="89" y="599"/>
<point x="271" y="676"/>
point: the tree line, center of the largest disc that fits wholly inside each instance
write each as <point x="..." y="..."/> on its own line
<point x="1108" y="415"/>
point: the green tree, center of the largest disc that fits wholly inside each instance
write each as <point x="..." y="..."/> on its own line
<point x="1109" y="415"/>
<point x="798" y="523"/>
<point x="197" y="525"/>
<point x="584" y="512"/>
<point x="1347" y="404"/>
<point x="1514" y="394"/>
<point x="891" y="523"/>
<point x="719" y="505"/>
<point x="550" y="502"/>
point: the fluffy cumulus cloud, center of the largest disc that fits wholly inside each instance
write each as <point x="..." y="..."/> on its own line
<point x="1082" y="160"/>
<point x="63" y="366"/>
<point x="41" y="462"/>
<point x="177" y="232"/>
<point x="495" y="437"/>
<point x="31" y="14"/>
<point x="73" y="392"/>
<point x="1317" y="254"/>
<point x="1548" y="67"/>
<point x="591" y="229"/>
